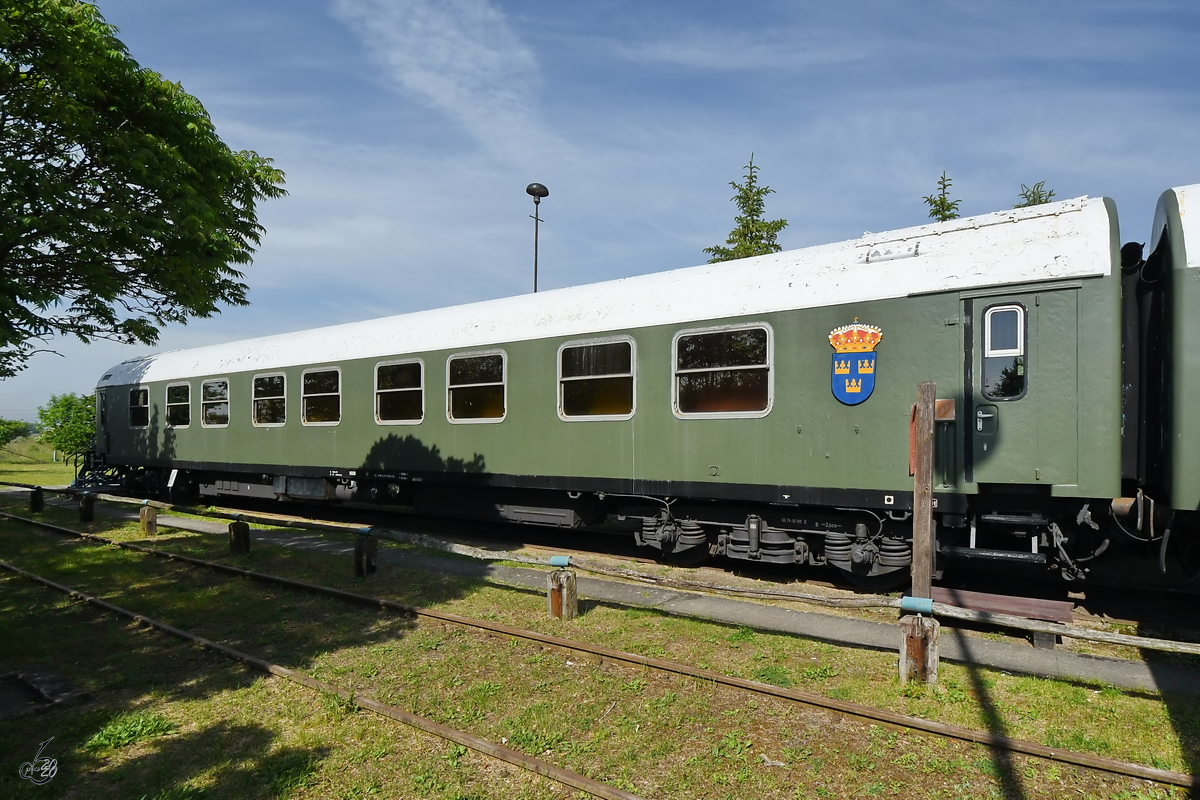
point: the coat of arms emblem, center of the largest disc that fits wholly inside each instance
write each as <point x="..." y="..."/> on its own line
<point x="854" y="361"/>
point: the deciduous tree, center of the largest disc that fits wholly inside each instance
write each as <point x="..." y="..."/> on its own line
<point x="120" y="208"/>
<point x="68" y="422"/>
<point x="11" y="430"/>
<point x="753" y="235"/>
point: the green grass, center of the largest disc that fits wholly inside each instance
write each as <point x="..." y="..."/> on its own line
<point x="26" y="450"/>
<point x="241" y="734"/>
<point x="40" y="474"/>
<point x="129" y="728"/>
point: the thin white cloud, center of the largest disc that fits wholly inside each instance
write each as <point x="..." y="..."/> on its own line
<point x="725" y="52"/>
<point x="460" y="57"/>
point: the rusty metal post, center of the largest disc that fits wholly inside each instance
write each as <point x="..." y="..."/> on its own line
<point x="37" y="501"/>
<point x="239" y="538"/>
<point x="148" y="517"/>
<point x="87" y="508"/>
<point x="560" y="595"/>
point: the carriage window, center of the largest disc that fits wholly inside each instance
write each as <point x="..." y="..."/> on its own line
<point x="214" y="403"/>
<point x="596" y="380"/>
<point x="399" y="392"/>
<point x="723" y="372"/>
<point x="270" y="403"/>
<point x="321" y="397"/>
<point x="139" y="408"/>
<point x="1004" y="352"/>
<point x="179" y="405"/>
<point x="475" y="387"/>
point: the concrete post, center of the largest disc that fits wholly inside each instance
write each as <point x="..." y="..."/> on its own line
<point x="148" y="516"/>
<point x="560" y="595"/>
<point x="87" y="508"/>
<point x="37" y="501"/>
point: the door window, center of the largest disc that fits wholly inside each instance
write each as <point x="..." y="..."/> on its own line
<point x="1004" y="352"/>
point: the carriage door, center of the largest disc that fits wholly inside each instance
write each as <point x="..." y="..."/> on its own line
<point x="1023" y="424"/>
<point x="101" y="422"/>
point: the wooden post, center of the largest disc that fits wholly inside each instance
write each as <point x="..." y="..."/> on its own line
<point x="87" y="508"/>
<point x="148" y="516"/>
<point x="919" y="649"/>
<point x="366" y="551"/>
<point x="239" y="538"/>
<point x="922" y="566"/>
<point x="919" y="643"/>
<point x="37" y="501"/>
<point x="561" y="596"/>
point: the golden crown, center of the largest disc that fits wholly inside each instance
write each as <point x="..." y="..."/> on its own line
<point x="855" y="337"/>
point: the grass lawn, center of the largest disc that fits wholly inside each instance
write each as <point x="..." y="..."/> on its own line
<point x="39" y="473"/>
<point x="167" y="720"/>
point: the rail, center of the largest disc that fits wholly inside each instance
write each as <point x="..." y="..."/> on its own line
<point x="866" y="601"/>
<point x="564" y="776"/>
<point x="571" y="646"/>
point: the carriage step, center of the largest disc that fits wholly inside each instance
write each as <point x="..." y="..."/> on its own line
<point x="1015" y="519"/>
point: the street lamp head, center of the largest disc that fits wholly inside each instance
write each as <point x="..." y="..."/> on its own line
<point x="537" y="191"/>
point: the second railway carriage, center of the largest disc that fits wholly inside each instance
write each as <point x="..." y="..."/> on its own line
<point x="757" y="409"/>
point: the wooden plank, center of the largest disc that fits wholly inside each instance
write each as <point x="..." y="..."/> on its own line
<point x="922" y="566"/>
<point x="1027" y="607"/>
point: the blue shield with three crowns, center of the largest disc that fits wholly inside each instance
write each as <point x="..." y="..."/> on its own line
<point x="853" y="377"/>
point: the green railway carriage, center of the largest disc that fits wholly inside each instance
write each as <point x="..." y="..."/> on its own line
<point x="758" y="409"/>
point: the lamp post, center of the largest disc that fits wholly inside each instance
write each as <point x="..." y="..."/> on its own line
<point x="537" y="191"/>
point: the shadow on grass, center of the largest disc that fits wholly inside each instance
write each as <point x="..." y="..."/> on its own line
<point x="1006" y="772"/>
<point x="1183" y="709"/>
<point x="128" y="669"/>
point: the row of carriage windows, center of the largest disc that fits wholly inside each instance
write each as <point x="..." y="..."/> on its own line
<point x="716" y="373"/>
<point x="723" y="372"/>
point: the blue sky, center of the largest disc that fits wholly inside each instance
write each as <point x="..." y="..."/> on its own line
<point x="409" y="129"/>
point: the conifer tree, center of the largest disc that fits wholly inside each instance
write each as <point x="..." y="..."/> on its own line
<point x="1034" y="195"/>
<point x="941" y="207"/>
<point x="752" y="235"/>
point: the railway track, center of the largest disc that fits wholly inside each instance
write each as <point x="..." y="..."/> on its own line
<point x="1171" y="618"/>
<point x="1097" y="603"/>
<point x="845" y="708"/>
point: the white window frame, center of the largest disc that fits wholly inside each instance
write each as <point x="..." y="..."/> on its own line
<point x="128" y="417"/>
<point x="988" y="351"/>
<point x="228" y="402"/>
<point x="422" y="390"/>
<point x="167" y="401"/>
<point x="770" y="366"/>
<point x="504" y="383"/>
<point x="286" y="411"/>
<point x="585" y="343"/>
<point x="309" y="371"/>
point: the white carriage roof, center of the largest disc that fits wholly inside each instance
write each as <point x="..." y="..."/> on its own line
<point x="1064" y="240"/>
<point x="1189" y="222"/>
